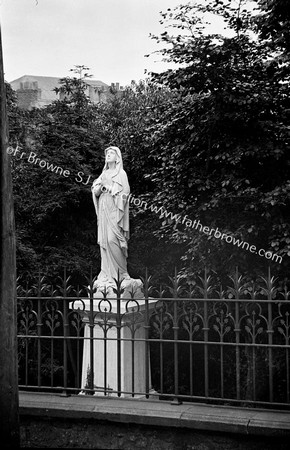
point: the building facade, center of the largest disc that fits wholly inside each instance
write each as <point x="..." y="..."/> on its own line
<point x="38" y="91"/>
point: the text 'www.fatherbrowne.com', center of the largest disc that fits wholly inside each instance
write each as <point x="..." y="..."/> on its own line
<point x="197" y="225"/>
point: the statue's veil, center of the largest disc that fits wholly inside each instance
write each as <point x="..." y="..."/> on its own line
<point x="119" y="162"/>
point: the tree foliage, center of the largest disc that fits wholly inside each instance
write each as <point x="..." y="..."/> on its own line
<point x="128" y="121"/>
<point x="224" y="142"/>
<point x="55" y="224"/>
<point x="206" y="141"/>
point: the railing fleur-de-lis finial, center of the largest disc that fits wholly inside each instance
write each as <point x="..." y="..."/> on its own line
<point x="90" y="286"/>
<point x="239" y="285"/>
<point x="118" y="290"/>
<point x="40" y="286"/>
<point x="175" y="288"/>
<point x="206" y="288"/>
<point x="64" y="287"/>
<point x="269" y="290"/>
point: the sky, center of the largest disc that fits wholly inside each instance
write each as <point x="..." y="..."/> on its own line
<point x="111" y="37"/>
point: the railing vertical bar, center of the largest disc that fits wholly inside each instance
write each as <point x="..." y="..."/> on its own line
<point x="25" y="343"/>
<point x="206" y="381"/>
<point x="237" y="331"/>
<point x="118" y="324"/>
<point x="65" y="332"/>
<point x="65" y="366"/>
<point x="206" y="330"/>
<point x="51" y="358"/>
<point x="91" y="326"/>
<point x="161" y="364"/>
<point x="146" y="331"/>
<point x="222" y="367"/>
<point x="78" y="363"/>
<point x="105" y="357"/>
<point x="175" y="334"/>
<point x="26" y="360"/>
<point x="78" y="328"/>
<point x="287" y="374"/>
<point x="270" y="336"/>
<point x="133" y="361"/>
<point x="176" y="382"/>
<point x="39" y="327"/>
<point x="191" y="366"/>
<point x="254" y="370"/>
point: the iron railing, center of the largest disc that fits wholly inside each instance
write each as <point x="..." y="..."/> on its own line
<point x="196" y="342"/>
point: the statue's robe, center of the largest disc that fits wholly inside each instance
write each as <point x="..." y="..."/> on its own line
<point x="112" y="209"/>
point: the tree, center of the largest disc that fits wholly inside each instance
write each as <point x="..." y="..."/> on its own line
<point x="224" y="141"/>
<point x="273" y="25"/>
<point x="128" y="122"/>
<point x="59" y="154"/>
<point x="205" y="142"/>
<point x="56" y="223"/>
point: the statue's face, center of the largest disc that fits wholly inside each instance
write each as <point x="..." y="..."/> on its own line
<point x="111" y="156"/>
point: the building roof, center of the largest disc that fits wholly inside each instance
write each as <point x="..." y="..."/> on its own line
<point x="48" y="84"/>
<point x="96" y="82"/>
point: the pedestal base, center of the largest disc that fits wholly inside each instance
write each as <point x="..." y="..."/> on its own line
<point x="133" y="357"/>
<point x="131" y="287"/>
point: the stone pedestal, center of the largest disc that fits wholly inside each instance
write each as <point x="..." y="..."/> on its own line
<point x="132" y="360"/>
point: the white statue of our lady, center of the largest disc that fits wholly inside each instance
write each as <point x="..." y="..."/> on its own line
<point x="110" y="196"/>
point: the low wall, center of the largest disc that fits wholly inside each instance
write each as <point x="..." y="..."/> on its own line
<point x="50" y="421"/>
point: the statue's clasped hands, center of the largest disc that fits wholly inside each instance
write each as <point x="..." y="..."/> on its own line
<point x="106" y="188"/>
<point x="98" y="187"/>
